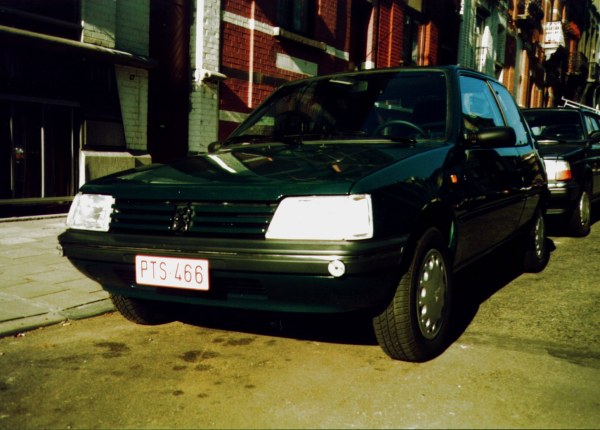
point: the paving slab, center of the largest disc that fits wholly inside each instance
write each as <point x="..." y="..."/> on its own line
<point x="38" y="287"/>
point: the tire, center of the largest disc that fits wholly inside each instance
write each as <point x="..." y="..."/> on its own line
<point x="579" y="222"/>
<point x="536" y="252"/>
<point x="415" y="325"/>
<point x="139" y="311"/>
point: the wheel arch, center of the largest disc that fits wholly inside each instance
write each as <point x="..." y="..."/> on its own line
<point x="588" y="180"/>
<point x="437" y="214"/>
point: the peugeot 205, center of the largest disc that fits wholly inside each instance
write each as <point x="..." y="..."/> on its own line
<point x="357" y="192"/>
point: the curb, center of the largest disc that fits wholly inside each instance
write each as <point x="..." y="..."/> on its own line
<point x="14" y="327"/>
<point x="33" y="218"/>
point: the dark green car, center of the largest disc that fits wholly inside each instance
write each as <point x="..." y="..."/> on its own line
<point x="363" y="191"/>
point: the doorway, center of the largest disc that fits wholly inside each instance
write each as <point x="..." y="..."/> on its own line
<point x="39" y="145"/>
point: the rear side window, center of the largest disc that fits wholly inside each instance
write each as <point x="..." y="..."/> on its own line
<point x="591" y="123"/>
<point x="512" y="114"/>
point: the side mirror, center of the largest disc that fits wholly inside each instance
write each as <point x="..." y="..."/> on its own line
<point x="595" y="136"/>
<point x="214" y="147"/>
<point x="494" y="137"/>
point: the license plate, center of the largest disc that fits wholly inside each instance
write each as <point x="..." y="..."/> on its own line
<point x="188" y="273"/>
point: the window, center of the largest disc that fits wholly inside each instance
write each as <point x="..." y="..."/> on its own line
<point x="297" y="16"/>
<point x="592" y="123"/>
<point x="512" y="113"/>
<point x="410" y="48"/>
<point x="484" y="40"/>
<point x="56" y="17"/>
<point x="479" y="108"/>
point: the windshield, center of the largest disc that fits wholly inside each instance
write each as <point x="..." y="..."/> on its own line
<point x="555" y="125"/>
<point x="406" y="105"/>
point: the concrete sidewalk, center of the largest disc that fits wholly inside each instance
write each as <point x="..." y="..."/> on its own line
<point x="38" y="287"/>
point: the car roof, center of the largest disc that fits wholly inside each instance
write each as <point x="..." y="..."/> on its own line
<point x="446" y="69"/>
<point x="561" y="109"/>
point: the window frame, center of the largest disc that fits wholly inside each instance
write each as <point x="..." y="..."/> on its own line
<point x="512" y="114"/>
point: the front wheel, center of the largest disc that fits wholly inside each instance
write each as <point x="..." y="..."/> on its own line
<point x="580" y="220"/>
<point x="139" y="311"/>
<point x="415" y="325"/>
<point x="536" y="252"/>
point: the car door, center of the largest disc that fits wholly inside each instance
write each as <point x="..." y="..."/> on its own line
<point x="529" y="172"/>
<point x="491" y="181"/>
<point x="592" y="124"/>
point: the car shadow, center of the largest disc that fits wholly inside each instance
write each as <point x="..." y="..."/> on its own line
<point x="556" y="226"/>
<point x="352" y="328"/>
<point x="472" y="287"/>
<point x="477" y="283"/>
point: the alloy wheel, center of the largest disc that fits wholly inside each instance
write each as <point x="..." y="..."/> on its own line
<point x="431" y="294"/>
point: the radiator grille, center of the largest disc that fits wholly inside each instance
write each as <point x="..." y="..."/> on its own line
<point x="202" y="219"/>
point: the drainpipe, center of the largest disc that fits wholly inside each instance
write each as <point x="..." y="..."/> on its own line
<point x="251" y="54"/>
<point x="374" y="48"/>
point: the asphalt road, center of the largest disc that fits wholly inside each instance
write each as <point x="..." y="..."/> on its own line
<point x="527" y="355"/>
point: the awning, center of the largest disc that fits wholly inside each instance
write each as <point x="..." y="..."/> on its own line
<point x="15" y="36"/>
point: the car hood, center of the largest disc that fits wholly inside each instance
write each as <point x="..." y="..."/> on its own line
<point x="262" y="172"/>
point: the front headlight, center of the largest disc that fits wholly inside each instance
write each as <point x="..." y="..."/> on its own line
<point x="323" y="218"/>
<point x="558" y="170"/>
<point x="90" y="212"/>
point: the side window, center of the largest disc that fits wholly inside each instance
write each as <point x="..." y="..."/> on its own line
<point x="479" y="108"/>
<point x="512" y="114"/>
<point x="591" y="123"/>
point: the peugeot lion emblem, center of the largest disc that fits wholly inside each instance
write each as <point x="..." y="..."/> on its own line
<point x="182" y="218"/>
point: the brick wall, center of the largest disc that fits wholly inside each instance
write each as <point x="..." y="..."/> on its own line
<point x="99" y="22"/>
<point x="391" y="18"/>
<point x="133" y="96"/>
<point x="133" y="26"/>
<point x="256" y="60"/>
<point x="124" y="25"/>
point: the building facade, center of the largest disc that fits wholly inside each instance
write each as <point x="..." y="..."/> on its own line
<point x="541" y="50"/>
<point x="242" y="50"/>
<point x="90" y="87"/>
<point x="73" y="84"/>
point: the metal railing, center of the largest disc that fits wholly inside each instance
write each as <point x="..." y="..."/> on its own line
<point x="571" y="103"/>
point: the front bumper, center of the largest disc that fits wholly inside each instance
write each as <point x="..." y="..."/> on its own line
<point x="271" y="275"/>
<point x="563" y="197"/>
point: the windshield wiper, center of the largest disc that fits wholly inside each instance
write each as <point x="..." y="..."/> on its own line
<point x="245" y="138"/>
<point x="410" y="141"/>
<point x="248" y="139"/>
<point x="290" y="139"/>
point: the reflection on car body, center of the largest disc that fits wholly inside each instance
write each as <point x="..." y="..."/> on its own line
<point x="354" y="192"/>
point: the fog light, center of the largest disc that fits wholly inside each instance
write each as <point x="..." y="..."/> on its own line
<point x="336" y="268"/>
